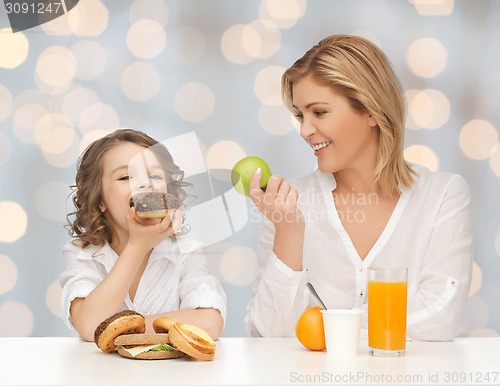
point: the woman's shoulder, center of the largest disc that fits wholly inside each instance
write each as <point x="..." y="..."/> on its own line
<point x="438" y="181"/>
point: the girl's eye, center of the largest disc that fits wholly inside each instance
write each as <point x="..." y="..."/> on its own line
<point x="319" y="113"/>
<point x="125" y="178"/>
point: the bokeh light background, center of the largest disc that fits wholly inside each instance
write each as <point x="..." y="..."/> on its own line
<point x="214" y="67"/>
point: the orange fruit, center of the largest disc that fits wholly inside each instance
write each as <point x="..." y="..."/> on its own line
<point x="309" y="329"/>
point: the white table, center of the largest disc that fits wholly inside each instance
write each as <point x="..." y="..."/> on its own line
<point x="250" y="361"/>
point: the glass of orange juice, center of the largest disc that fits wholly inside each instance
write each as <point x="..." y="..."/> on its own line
<point x="387" y="292"/>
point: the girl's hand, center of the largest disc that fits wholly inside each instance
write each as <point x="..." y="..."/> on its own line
<point x="147" y="233"/>
<point x="278" y="203"/>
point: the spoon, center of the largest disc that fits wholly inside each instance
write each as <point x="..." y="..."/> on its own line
<point x="315" y="294"/>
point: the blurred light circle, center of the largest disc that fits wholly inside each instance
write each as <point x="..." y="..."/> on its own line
<point x="155" y="10"/>
<point x="422" y="155"/>
<point x="14" y="48"/>
<point x="267" y="85"/>
<point x="146" y="39"/>
<point x="90" y="58"/>
<point x="50" y="200"/>
<point x="237" y="265"/>
<point x="98" y="116"/>
<point x="53" y="298"/>
<point x="186" y="45"/>
<point x="275" y="120"/>
<point x="433" y="7"/>
<point x="64" y="159"/>
<point x="284" y="14"/>
<point x="427" y="57"/>
<point x="8" y="274"/>
<point x="76" y="100"/>
<point x="140" y="82"/>
<point x="54" y="133"/>
<point x="270" y="38"/>
<point x="13" y="222"/>
<point x="5" y="148"/>
<point x="224" y="155"/>
<point x="6" y="102"/>
<point x="56" y="67"/>
<point x="16" y="319"/>
<point x="26" y="118"/>
<point x="240" y="44"/>
<point x="494" y="160"/>
<point x="477" y="279"/>
<point x="410" y="122"/>
<point x="430" y="109"/>
<point x="90" y="18"/>
<point x="90" y="137"/>
<point x="194" y="102"/>
<point x="478" y="139"/>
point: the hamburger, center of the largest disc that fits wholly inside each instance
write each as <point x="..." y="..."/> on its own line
<point x="189" y="339"/>
<point x="154" y="204"/>
<point x="146" y="346"/>
<point x="124" y="322"/>
<point x="124" y="332"/>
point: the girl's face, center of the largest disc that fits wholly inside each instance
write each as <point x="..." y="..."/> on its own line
<point x="340" y="136"/>
<point x="128" y="169"/>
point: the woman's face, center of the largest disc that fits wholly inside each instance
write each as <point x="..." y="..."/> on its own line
<point x="340" y="136"/>
<point x="128" y="169"/>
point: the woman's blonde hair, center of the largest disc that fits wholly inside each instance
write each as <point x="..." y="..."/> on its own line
<point x="357" y="69"/>
<point x="89" y="226"/>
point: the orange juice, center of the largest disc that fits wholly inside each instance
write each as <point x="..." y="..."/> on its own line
<point x="387" y="315"/>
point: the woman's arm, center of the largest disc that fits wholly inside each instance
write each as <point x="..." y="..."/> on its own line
<point x="436" y="306"/>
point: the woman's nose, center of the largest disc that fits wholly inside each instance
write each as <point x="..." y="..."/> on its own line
<point x="306" y="129"/>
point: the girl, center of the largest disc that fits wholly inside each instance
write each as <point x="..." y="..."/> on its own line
<point x="117" y="261"/>
<point x="364" y="206"/>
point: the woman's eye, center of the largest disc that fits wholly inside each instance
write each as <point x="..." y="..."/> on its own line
<point x="156" y="177"/>
<point x="299" y="117"/>
<point x="319" y="113"/>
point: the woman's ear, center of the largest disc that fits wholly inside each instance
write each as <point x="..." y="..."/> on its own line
<point x="102" y="207"/>
<point x="371" y="121"/>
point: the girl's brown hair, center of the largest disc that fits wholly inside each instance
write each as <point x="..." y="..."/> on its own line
<point x="357" y="69"/>
<point x="89" y="226"/>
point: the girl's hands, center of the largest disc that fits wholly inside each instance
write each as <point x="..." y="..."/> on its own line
<point x="147" y="233"/>
<point x="278" y="203"/>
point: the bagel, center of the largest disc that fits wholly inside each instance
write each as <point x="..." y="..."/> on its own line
<point x="121" y="323"/>
<point x="146" y="346"/>
<point x="154" y="204"/>
<point x="163" y="324"/>
<point x="192" y="340"/>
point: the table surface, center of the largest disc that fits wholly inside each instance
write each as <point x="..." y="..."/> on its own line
<point x="250" y="361"/>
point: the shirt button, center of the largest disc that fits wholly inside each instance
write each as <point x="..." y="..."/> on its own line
<point x="361" y="294"/>
<point x="360" y="269"/>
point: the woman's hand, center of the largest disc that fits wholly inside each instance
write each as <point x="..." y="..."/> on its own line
<point x="279" y="204"/>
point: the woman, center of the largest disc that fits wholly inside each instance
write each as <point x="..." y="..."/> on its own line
<point x="364" y="206"/>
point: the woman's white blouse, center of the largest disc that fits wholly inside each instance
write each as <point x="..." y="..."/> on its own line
<point x="176" y="277"/>
<point x="430" y="232"/>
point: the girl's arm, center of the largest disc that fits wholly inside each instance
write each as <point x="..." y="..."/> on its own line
<point x="109" y="295"/>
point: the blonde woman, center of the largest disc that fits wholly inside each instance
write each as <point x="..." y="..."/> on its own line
<point x="364" y="205"/>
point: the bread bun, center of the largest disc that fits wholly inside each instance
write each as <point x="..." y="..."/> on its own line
<point x="124" y="322"/>
<point x="163" y="324"/>
<point x="192" y="340"/>
<point x="154" y="204"/>
<point x="135" y="340"/>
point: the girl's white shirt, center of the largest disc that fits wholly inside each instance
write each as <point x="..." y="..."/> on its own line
<point x="176" y="277"/>
<point x="429" y="232"/>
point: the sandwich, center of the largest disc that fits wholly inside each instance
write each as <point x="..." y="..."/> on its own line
<point x="124" y="322"/>
<point x="189" y="339"/>
<point x="146" y="346"/>
<point x="154" y="204"/>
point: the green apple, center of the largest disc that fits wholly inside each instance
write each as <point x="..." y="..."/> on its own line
<point x="243" y="170"/>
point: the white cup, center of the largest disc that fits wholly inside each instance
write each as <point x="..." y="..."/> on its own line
<point x="342" y="327"/>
